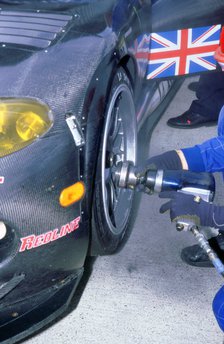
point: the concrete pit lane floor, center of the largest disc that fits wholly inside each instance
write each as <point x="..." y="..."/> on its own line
<point x="145" y="294"/>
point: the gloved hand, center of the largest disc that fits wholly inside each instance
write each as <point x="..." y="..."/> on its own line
<point x="166" y="161"/>
<point x="183" y="206"/>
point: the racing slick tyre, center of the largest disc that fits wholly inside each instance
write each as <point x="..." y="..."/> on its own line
<point x="111" y="205"/>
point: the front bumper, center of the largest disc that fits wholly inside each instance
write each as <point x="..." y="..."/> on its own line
<point x="25" y="317"/>
<point x="42" y="256"/>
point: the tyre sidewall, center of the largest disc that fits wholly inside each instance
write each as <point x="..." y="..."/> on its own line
<point x="104" y="241"/>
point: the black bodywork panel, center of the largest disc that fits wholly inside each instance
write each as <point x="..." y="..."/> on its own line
<point x="183" y="14"/>
<point x="63" y="53"/>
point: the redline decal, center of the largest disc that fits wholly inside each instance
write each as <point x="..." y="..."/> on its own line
<point x="2" y="179"/>
<point x="32" y="241"/>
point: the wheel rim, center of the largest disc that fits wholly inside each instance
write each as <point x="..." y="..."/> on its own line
<point x="119" y="144"/>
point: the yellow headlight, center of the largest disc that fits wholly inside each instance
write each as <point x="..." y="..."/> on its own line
<point x="21" y="122"/>
<point x="29" y="125"/>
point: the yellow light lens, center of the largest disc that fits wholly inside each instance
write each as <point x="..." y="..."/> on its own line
<point x="21" y="122"/>
<point x="29" y="126"/>
<point x="72" y="194"/>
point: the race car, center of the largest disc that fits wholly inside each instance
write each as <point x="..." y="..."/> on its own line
<point x="78" y="80"/>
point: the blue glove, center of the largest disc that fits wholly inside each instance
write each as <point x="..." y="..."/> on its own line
<point x="166" y="161"/>
<point x="183" y="206"/>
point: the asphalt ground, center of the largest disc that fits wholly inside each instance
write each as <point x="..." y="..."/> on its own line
<point x="145" y="294"/>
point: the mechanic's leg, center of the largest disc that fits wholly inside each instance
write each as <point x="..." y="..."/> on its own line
<point x="205" y="109"/>
<point x="210" y="95"/>
<point x="218" y="307"/>
<point x="195" y="255"/>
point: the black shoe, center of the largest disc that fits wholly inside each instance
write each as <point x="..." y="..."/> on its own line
<point x="189" y="120"/>
<point x="193" y="86"/>
<point x="195" y="255"/>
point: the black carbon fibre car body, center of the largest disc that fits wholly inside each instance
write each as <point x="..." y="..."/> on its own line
<point x="76" y="60"/>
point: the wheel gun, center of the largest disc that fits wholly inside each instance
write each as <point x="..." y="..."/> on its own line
<point x="201" y="185"/>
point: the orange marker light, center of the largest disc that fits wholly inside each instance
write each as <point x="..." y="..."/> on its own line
<point x="72" y="194"/>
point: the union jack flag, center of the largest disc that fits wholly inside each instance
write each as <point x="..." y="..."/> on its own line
<point x="183" y="51"/>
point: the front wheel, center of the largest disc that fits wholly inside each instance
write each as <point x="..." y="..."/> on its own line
<point x="111" y="205"/>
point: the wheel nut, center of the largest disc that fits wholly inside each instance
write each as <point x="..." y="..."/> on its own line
<point x="179" y="227"/>
<point x="197" y="199"/>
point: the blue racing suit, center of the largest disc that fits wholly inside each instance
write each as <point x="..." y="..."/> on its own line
<point x="208" y="156"/>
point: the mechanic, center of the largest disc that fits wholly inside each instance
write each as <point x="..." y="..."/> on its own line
<point x="205" y="109"/>
<point x="205" y="157"/>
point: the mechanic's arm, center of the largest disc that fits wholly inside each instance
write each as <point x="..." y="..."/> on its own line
<point x="170" y="160"/>
<point x="206" y="157"/>
<point x="209" y="157"/>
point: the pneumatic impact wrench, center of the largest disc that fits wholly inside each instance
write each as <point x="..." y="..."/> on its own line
<point x="200" y="185"/>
